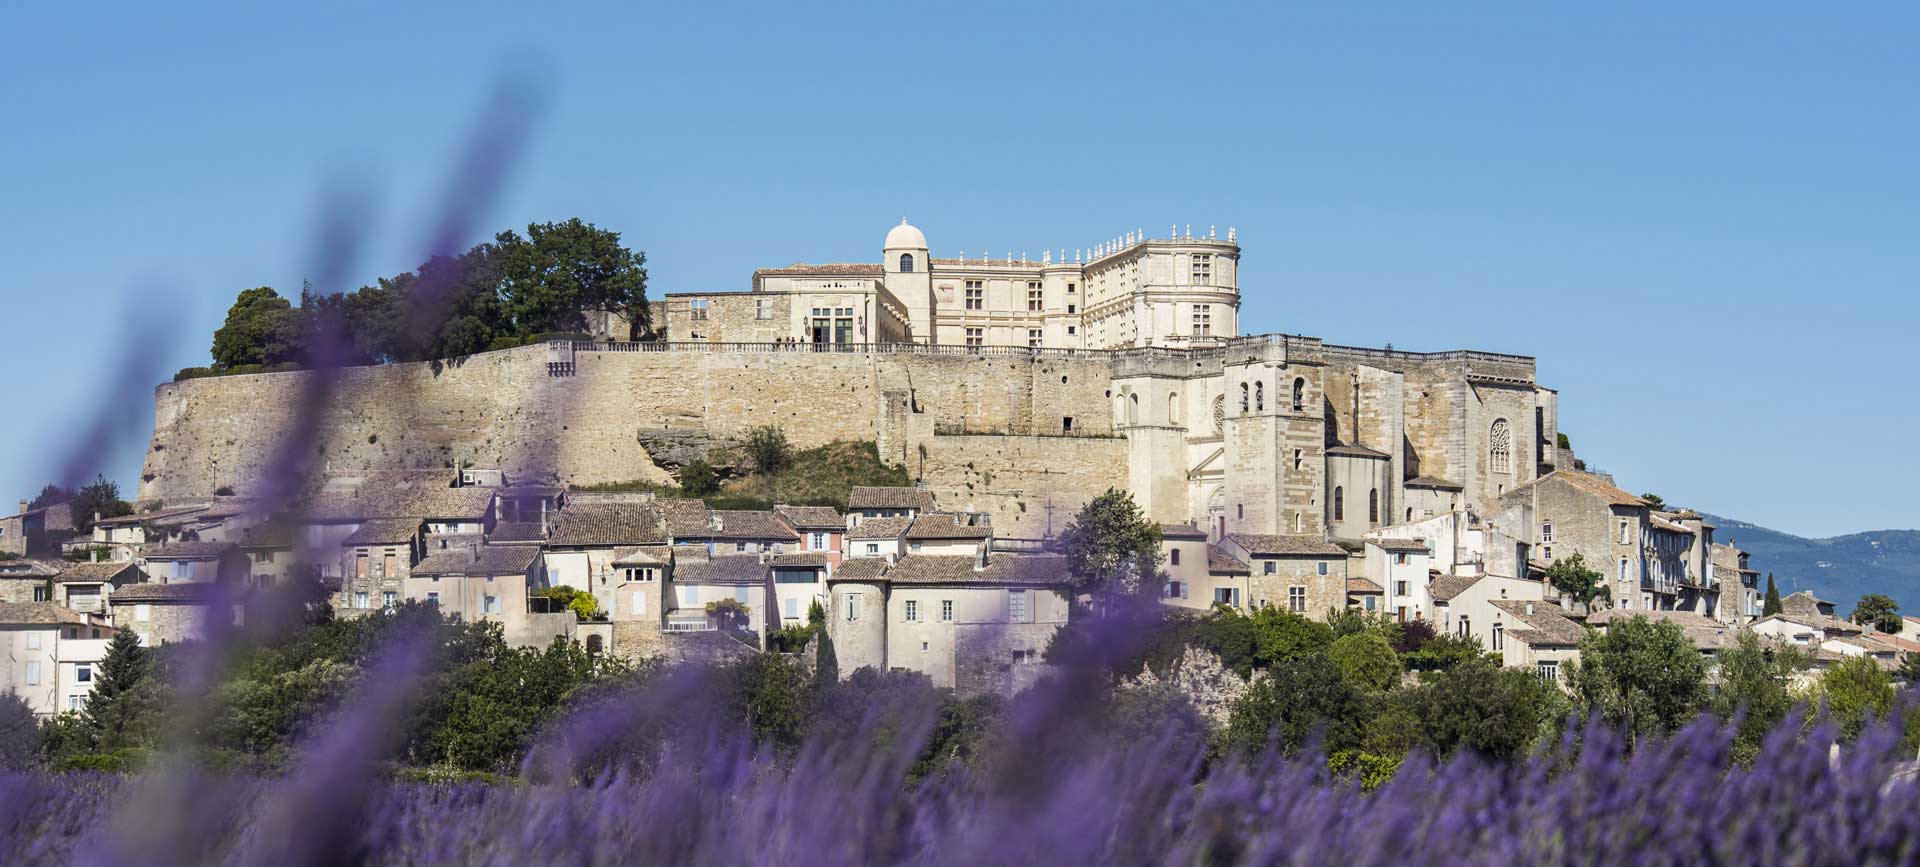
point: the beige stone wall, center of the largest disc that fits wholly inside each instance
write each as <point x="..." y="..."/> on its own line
<point x="1324" y="592"/>
<point x="22" y="589"/>
<point x="165" y="623"/>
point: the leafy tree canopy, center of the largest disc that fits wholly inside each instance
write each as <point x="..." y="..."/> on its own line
<point x="1111" y="547"/>
<point x="1642" y="674"/>
<point x="1573" y="577"/>
<point x="261" y="328"/>
<point x="100" y="498"/>
<point x="1878" y="611"/>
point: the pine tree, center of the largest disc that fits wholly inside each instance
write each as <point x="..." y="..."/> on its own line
<point x="110" y="708"/>
<point x="1772" y="605"/>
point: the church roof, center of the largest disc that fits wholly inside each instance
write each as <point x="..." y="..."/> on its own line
<point x="1434" y="482"/>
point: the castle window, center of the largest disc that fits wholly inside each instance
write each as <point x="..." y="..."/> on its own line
<point x="1036" y="302"/>
<point x="1133" y="409"/>
<point x="1243" y="398"/>
<point x="1033" y="338"/>
<point x="906" y="263"/>
<point x="976" y="295"/>
<point x="763" y="308"/>
<point x="1297" y="459"/>
<point x="1173" y="408"/>
<point x="697" y="309"/>
<point x="1500" y="447"/>
<point x="1339" y="503"/>
<point x="976" y="337"/>
<point x="1259" y="397"/>
<point x="1299" y="395"/>
<point x="1219" y="413"/>
<point x="1202" y="268"/>
<point x="1202" y="319"/>
<point x="1373" y="506"/>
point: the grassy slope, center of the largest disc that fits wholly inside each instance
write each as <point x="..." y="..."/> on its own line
<point x="819" y="476"/>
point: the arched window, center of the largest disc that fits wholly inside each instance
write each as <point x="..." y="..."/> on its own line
<point x="1373" y="506"/>
<point x="1500" y="447"/>
<point x="1243" y="398"/>
<point x="1133" y="409"/>
<point x="1339" y="503"/>
<point x="1219" y="414"/>
<point x="906" y="262"/>
<point x="1299" y="395"/>
<point x="1173" y="408"/>
<point x="1259" y="397"/>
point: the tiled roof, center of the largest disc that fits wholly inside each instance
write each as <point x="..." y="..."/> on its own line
<point x="1803" y="602"/>
<point x="1546" y="624"/>
<point x="1433" y="482"/>
<point x="400" y="495"/>
<point x="685" y="517"/>
<point x="1268" y="545"/>
<point x="583" y="525"/>
<point x="831" y="269"/>
<point x="1408" y="545"/>
<point x="1362" y="585"/>
<point x="944" y="526"/>
<point x="813" y="517"/>
<point x="880" y="528"/>
<point x="1354" y="452"/>
<point x="40" y="613"/>
<point x="1705" y="632"/>
<point x="1025" y="569"/>
<point x="749" y="524"/>
<point x="860" y="569"/>
<point x="1662" y="523"/>
<point x="1222" y="563"/>
<point x="516" y="531"/>
<point x="487" y="560"/>
<point x="91" y="573"/>
<point x="149" y="517"/>
<point x="648" y="555"/>
<point x="148" y="592"/>
<point x="810" y="558"/>
<point x="871" y="497"/>
<point x="188" y="551"/>
<point x="1587" y="483"/>
<point x="384" y="531"/>
<point x="732" y="569"/>
<point x="35" y="569"/>
<point x="273" y="534"/>
<point x="1181" y="531"/>
<point x="1445" y="587"/>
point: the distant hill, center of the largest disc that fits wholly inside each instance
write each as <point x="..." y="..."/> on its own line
<point x="1841" y="569"/>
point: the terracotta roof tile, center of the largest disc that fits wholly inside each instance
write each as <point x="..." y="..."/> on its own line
<point x="1220" y="562"/>
<point x="1021" y="569"/>
<point x="384" y="531"/>
<point x="873" y="497"/>
<point x="1268" y="545"/>
<point x="594" y="525"/>
<point x="1407" y="545"/>
<point x="748" y="524"/>
<point x="1445" y="587"/>
<point x="813" y="517"/>
<point x="185" y="592"/>
<point x="1362" y="585"/>
<point x="42" y="613"/>
<point x="880" y="528"/>
<point x="944" y="526"/>
<point x="860" y="569"/>
<point x="188" y="551"/>
<point x="102" y="572"/>
<point x="726" y="569"/>
<point x="1546" y="624"/>
<point x="488" y="560"/>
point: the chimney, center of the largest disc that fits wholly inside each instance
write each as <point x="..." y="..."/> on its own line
<point x="1529" y="609"/>
<point x="23" y="506"/>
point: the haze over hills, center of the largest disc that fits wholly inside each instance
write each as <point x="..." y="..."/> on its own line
<point x="1840" y="568"/>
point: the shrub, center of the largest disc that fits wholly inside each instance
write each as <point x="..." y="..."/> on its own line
<point x="768" y="448"/>
<point x="1366" y="659"/>
<point x="697" y="479"/>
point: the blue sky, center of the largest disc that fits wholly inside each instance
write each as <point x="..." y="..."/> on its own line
<point x="1703" y="221"/>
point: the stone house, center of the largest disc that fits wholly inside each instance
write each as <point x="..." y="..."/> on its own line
<point x="822" y="529"/>
<point x="375" y="560"/>
<point x="1710" y="636"/>
<point x="1400" y="570"/>
<point x="49" y="654"/>
<point x="193" y="562"/>
<point x="948" y="534"/>
<point x="866" y="502"/>
<point x="1740" y="591"/>
<point x="1581" y="513"/>
<point x="28" y="580"/>
<point x="476" y="583"/>
<point x="1464" y="605"/>
<point x="743" y="531"/>
<point x="1805" y="627"/>
<point x="1305" y="574"/>
<point x="1183" y="557"/>
<point x="799" y="580"/>
<point x="1364" y="595"/>
<point x="974" y="624"/>
<point x="878" y="537"/>
<point x="1229" y="581"/>
<point x="167" y="613"/>
<point x="85" y="587"/>
<point x="269" y="551"/>
<point x="1534" y="634"/>
<point x="589" y="537"/>
<point x="33" y="532"/>
<point x="699" y="581"/>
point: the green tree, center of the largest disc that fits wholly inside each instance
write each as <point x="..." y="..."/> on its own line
<point x="1571" y="576"/>
<point x="19" y="733"/>
<point x="552" y="277"/>
<point x="261" y="328"/>
<point x="116" y="715"/>
<point x="1654" y="501"/>
<point x="1854" y="690"/>
<point x="1280" y="636"/>
<point x="1757" y="680"/>
<point x="99" y="499"/>
<point x="774" y="694"/>
<point x="767" y="446"/>
<point x="1642" y="674"/>
<point x="1111" y="547"/>
<point x="485" y="711"/>
<point x="697" y="479"/>
<point x="1298" y="698"/>
<point x="1367" y="659"/>
<point x="50" y="495"/>
<point x="1772" y="604"/>
<point x="729" y="613"/>
<point x="580" y="602"/>
<point x="1909" y="670"/>
<point x="1479" y="706"/>
<point x="1878" y="611"/>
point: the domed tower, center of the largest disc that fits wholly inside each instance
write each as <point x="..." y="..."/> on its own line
<point x="908" y="268"/>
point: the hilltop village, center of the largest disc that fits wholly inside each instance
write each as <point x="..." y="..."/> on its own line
<point x="1280" y="471"/>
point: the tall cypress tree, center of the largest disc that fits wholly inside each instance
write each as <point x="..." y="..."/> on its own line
<point x="109" y="709"/>
<point x="1772" y="605"/>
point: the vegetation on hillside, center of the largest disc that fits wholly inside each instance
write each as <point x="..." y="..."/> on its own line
<point x="820" y="476"/>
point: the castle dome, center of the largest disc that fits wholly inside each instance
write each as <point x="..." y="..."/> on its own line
<point x="905" y="237"/>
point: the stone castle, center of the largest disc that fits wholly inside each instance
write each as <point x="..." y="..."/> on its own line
<point x="1005" y="386"/>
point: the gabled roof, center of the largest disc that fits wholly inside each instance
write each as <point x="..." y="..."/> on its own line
<point x="1220" y="562"/>
<point x="936" y="525"/>
<point x="1014" y="569"/>
<point x="747" y="524"/>
<point x="98" y="573"/>
<point x="684" y="517"/>
<point x="1546" y="624"/>
<point x="1182" y="531"/>
<point x="35" y="569"/>
<point x="1586" y="483"/>
<point x="813" y="517"/>
<point x="401" y="494"/>
<point x="486" y="560"/>
<point x="1269" y="545"/>
<point x="42" y="614"/>
<point x="734" y="569"/>
<point x="860" y="569"/>
<point x="188" y="551"/>
<point x="807" y="559"/>
<point x="880" y="528"/>
<point x="384" y="531"/>
<point x="874" y="497"/>
<point x="1804" y="602"/>
<point x="516" y="531"/>
<point x="1363" y="586"/>
<point x="599" y="525"/>
<point x="1443" y="588"/>
<point x="185" y="592"/>
<point x="1410" y="546"/>
<point x="643" y="555"/>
